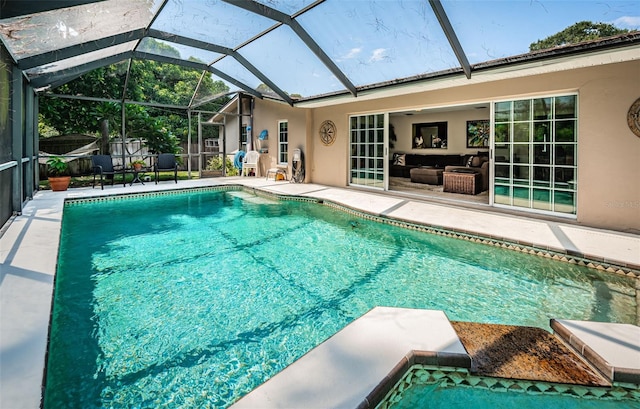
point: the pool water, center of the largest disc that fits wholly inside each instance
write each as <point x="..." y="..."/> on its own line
<point x="435" y="397"/>
<point x="193" y="299"/>
<point x="448" y="388"/>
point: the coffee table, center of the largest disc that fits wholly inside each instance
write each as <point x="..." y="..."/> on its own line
<point x="467" y="182"/>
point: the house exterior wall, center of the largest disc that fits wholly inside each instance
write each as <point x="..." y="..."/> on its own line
<point x="608" y="152"/>
<point x="232" y="136"/>
<point x="267" y="114"/>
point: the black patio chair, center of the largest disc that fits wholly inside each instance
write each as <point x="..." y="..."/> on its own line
<point x="103" y="165"/>
<point x="166" y="162"/>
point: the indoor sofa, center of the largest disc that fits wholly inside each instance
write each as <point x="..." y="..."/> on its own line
<point x="402" y="163"/>
<point x="478" y="163"/>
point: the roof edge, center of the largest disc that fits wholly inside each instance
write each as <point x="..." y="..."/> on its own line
<point x="586" y="47"/>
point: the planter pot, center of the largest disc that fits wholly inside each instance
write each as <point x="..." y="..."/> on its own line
<point x="59" y="184"/>
<point x="137" y="167"/>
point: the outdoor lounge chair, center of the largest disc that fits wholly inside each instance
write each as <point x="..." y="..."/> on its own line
<point x="103" y="165"/>
<point x="250" y="162"/>
<point x="166" y="163"/>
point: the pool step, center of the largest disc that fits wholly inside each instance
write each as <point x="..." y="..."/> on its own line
<point x="356" y="367"/>
<point x="524" y="353"/>
<point x="252" y="198"/>
<point x="613" y="348"/>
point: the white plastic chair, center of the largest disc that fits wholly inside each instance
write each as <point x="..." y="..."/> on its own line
<point x="249" y="162"/>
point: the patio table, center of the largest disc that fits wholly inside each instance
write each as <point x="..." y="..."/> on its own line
<point x="137" y="174"/>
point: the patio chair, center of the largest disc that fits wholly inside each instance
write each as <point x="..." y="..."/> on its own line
<point x="166" y="162"/>
<point x="250" y="162"/>
<point x="103" y="165"/>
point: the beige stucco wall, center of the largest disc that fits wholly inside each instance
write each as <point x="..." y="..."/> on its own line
<point x="267" y="114"/>
<point x="608" y="152"/>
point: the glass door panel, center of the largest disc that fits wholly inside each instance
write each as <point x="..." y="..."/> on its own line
<point x="521" y="132"/>
<point x="502" y="194"/>
<point x="542" y="176"/>
<point x="535" y="147"/>
<point x="367" y="151"/>
<point x="542" y="199"/>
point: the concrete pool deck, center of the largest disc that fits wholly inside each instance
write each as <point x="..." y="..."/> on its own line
<point x="29" y="246"/>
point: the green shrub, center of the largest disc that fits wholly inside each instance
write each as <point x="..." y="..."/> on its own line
<point x="57" y="166"/>
<point x="215" y="163"/>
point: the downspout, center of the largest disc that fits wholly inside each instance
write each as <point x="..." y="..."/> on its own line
<point x="250" y="128"/>
<point x="224" y="144"/>
<point x="239" y="109"/>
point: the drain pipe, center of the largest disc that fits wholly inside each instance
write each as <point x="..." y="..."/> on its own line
<point x="250" y="127"/>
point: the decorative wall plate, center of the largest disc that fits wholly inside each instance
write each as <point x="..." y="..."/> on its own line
<point x="327" y="133"/>
<point x="633" y="117"/>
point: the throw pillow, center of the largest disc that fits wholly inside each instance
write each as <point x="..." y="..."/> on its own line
<point x="469" y="161"/>
<point x="476" y="162"/>
<point x="398" y="159"/>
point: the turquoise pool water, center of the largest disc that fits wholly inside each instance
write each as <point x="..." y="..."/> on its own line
<point x="447" y="388"/>
<point x="191" y="300"/>
<point x="435" y="397"/>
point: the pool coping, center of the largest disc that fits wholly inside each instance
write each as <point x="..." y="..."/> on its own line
<point x="360" y="364"/>
<point x="608" y="346"/>
<point x="26" y="284"/>
<point x="559" y="254"/>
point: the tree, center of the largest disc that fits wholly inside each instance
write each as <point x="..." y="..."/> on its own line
<point x="149" y="81"/>
<point x="582" y="31"/>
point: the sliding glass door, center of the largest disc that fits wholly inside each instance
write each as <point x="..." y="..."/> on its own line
<point x="535" y="153"/>
<point x="367" y="150"/>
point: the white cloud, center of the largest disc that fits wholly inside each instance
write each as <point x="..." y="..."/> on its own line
<point x="378" y="54"/>
<point x="353" y="53"/>
<point x="627" y="22"/>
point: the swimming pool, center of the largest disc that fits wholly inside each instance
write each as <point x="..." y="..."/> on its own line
<point x="432" y="387"/>
<point x="193" y="299"/>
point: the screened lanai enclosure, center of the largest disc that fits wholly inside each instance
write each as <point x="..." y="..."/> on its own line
<point x="299" y="52"/>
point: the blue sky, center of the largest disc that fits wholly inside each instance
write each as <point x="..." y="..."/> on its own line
<point x="381" y="40"/>
<point x="505" y="28"/>
<point x="370" y="41"/>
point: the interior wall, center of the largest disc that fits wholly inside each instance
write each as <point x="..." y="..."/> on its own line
<point x="456" y="131"/>
<point x="608" y="152"/>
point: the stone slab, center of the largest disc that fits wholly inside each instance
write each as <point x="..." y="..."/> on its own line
<point x="344" y="370"/>
<point x="612" y="347"/>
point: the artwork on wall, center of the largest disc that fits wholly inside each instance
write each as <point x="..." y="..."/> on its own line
<point x="429" y="135"/>
<point x="478" y="133"/>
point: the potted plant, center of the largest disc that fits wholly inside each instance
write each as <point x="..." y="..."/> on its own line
<point x="138" y="164"/>
<point x="58" y="174"/>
